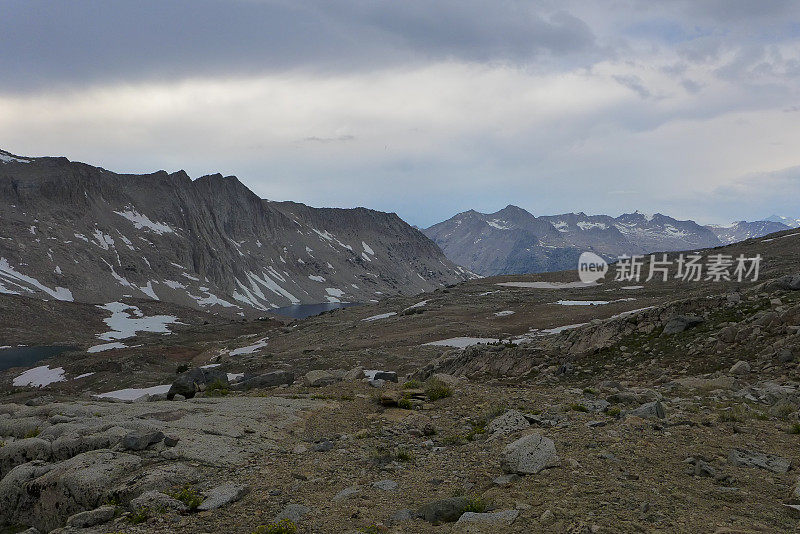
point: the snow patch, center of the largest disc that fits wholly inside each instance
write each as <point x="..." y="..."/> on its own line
<point x="379" y="316"/>
<point x="40" y="376"/>
<point x="141" y="221"/>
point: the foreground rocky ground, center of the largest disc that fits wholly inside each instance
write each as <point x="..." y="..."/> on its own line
<point x="679" y="417"/>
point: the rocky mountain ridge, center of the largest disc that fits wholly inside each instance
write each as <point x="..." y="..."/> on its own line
<point x="513" y="241"/>
<point x="72" y="231"/>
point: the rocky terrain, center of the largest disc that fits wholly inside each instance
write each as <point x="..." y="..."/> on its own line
<point x="513" y="241"/>
<point x="74" y="232"/>
<point x="506" y="404"/>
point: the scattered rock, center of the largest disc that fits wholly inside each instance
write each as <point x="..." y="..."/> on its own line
<point x="390" y="398"/>
<point x="650" y="409"/>
<point x="293" y="512"/>
<point x="529" y="455"/>
<point x="770" y="462"/>
<point x="221" y="495"/>
<point x="402" y="515"/>
<point x="505" y="517"/>
<point x="379" y="383"/>
<point x="267" y="380"/>
<point x="98" y="516"/>
<point x="385" y="485"/>
<point x="156" y="501"/>
<point x="785" y="356"/>
<point x="322" y="446"/>
<point x="319" y="378"/>
<point x="740" y="368"/>
<point x="443" y="511"/>
<point x="139" y="440"/>
<point x="346" y="493"/>
<point x="357" y="373"/>
<point x="547" y="517"/>
<point x="505" y="480"/>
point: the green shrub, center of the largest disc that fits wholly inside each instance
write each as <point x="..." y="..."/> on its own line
<point x="403" y="455"/>
<point x="217" y="389"/>
<point x="613" y="411"/>
<point x="404" y="403"/>
<point x="412" y="384"/>
<point x="188" y="496"/>
<point x="436" y="389"/>
<point x="476" y="505"/>
<point x="284" y="526"/>
<point x="578" y="407"/>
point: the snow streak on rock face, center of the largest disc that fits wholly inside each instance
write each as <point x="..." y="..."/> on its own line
<point x="72" y="231"/>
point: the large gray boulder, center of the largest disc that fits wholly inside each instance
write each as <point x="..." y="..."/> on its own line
<point x="90" y="518"/>
<point x="268" y="380"/>
<point x="529" y="455"/>
<point x="790" y="282"/>
<point x="139" y="440"/>
<point x="650" y="409"/>
<point x="508" y="423"/>
<point x="22" y="451"/>
<point x="45" y="496"/>
<point x="221" y="495"/>
<point x="770" y="462"/>
<point x="444" y="510"/>
<point x="681" y="323"/>
<point x="190" y="382"/>
<point x="157" y="502"/>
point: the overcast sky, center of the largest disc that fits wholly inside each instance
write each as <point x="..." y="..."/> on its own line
<point x="423" y="107"/>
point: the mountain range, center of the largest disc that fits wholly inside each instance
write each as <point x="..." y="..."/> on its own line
<point x="72" y="231"/>
<point x="514" y="241"/>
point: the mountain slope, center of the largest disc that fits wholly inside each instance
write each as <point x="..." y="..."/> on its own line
<point x="791" y="222"/>
<point x="512" y="241"/>
<point x="741" y="230"/>
<point x="72" y="231"/>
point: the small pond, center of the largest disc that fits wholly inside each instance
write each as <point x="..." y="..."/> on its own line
<point x="27" y="356"/>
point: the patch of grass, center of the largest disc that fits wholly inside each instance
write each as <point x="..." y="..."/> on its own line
<point x="404" y="403"/>
<point x="188" y="496"/>
<point x="412" y="384"/>
<point x="284" y="526"/>
<point x="139" y="516"/>
<point x="436" y="389"/>
<point x="613" y="411"/>
<point x="403" y="455"/>
<point x="784" y="410"/>
<point x="476" y="505"/>
<point x="732" y="414"/>
<point x="217" y="389"/>
<point x="33" y="433"/>
<point x="590" y="391"/>
<point x="794" y="428"/>
<point x="578" y="407"/>
<point x="454" y="440"/>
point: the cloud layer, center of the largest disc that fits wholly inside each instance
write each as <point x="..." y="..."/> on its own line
<point x="422" y="108"/>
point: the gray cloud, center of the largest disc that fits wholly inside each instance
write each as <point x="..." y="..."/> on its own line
<point x="84" y="41"/>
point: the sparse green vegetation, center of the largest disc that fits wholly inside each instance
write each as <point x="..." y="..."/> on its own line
<point x="404" y="403"/>
<point x="217" y="389"/>
<point x="403" y="455"/>
<point x="412" y="384"/>
<point x="794" y="428"/>
<point x="578" y="407"/>
<point x="33" y="433"/>
<point x="139" y="516"/>
<point x="284" y="526"/>
<point x="436" y="389"/>
<point x="188" y="496"/>
<point x="476" y="505"/>
<point x="613" y="411"/>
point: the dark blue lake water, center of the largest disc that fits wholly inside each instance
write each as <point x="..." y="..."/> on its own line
<point x="26" y="356"/>
<point x="301" y="311"/>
